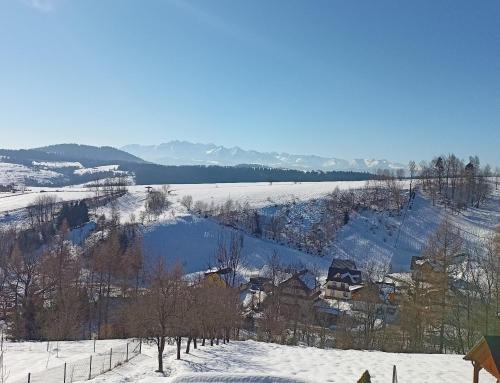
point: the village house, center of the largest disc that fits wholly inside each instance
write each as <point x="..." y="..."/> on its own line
<point x="219" y="276"/>
<point x="300" y="287"/>
<point x="343" y="279"/>
<point x="423" y="269"/>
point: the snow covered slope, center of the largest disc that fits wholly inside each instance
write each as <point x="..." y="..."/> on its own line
<point x="13" y="205"/>
<point x="18" y="174"/>
<point x="387" y="237"/>
<point x="250" y="361"/>
<point x="369" y="236"/>
<point x="245" y="362"/>
<point x="192" y="242"/>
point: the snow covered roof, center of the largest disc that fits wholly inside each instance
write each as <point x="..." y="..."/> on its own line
<point x="343" y="264"/>
<point x="335" y="304"/>
<point x="399" y="279"/>
<point x="344" y="275"/>
<point x="308" y="278"/>
<point x="355" y="288"/>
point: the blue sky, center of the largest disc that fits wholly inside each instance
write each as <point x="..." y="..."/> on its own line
<point x="380" y="79"/>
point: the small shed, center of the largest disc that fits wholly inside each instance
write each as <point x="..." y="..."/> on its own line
<point x="485" y="354"/>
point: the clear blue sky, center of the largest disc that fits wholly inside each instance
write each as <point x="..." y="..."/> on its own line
<point x="383" y="79"/>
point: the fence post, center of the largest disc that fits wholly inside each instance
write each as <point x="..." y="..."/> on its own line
<point x="90" y="368"/>
<point x="110" y="357"/>
<point x="140" y="346"/>
<point x="29" y="377"/>
<point x="64" y="372"/>
<point x="126" y="359"/>
<point x="94" y="345"/>
<point x="394" y="375"/>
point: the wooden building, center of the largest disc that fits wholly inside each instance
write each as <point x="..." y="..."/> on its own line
<point x="485" y="354"/>
<point x="343" y="279"/>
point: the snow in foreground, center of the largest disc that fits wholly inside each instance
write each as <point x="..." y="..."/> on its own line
<point x="252" y="361"/>
<point x="23" y="357"/>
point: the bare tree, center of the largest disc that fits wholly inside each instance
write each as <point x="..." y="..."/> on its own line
<point x="444" y="246"/>
<point x="412" y="168"/>
<point x="43" y="209"/>
<point x="155" y="312"/>
<point x="156" y="203"/>
<point x="187" y="202"/>
<point x="497" y="177"/>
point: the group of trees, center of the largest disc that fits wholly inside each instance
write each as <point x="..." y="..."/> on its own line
<point x="107" y="187"/>
<point x="458" y="299"/>
<point x="156" y="203"/>
<point x="175" y="307"/>
<point x="153" y="174"/>
<point x="7" y="188"/>
<point x="43" y="209"/>
<point x="73" y="213"/>
<point x="229" y="257"/>
<point x="449" y="300"/>
<point x="53" y="289"/>
<point x="286" y="223"/>
<point x="455" y="183"/>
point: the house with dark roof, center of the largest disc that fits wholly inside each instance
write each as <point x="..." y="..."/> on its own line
<point x="259" y="284"/>
<point x="343" y="278"/>
<point x="299" y="290"/>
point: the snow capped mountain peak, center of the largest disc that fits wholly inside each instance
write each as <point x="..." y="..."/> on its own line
<point x="187" y="153"/>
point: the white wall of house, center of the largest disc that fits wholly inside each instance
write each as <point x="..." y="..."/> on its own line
<point x="337" y="290"/>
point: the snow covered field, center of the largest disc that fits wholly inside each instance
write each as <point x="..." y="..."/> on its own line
<point x="257" y="194"/>
<point x="251" y="361"/>
<point x="23" y="357"/>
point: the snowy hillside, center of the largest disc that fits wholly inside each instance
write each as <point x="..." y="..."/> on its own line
<point x="247" y="361"/>
<point x="257" y="194"/>
<point x="192" y="242"/>
<point x="13" y="205"/>
<point x="187" y="153"/>
<point x="386" y="237"/>
<point x="52" y="173"/>
<point x="19" y="174"/>
<point x="58" y="165"/>
<point x="369" y="235"/>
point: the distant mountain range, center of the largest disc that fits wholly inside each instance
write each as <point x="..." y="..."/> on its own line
<point x="188" y="153"/>
<point x="73" y="164"/>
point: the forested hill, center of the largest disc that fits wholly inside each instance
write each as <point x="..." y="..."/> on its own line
<point x="160" y="174"/>
<point x="84" y="154"/>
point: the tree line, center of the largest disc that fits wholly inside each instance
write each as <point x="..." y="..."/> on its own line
<point x="455" y="183"/>
<point x="53" y="289"/>
<point x="282" y="223"/>
<point x="190" y="174"/>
